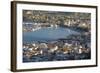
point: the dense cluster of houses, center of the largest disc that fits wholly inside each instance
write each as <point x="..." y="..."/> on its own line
<point x="47" y="19"/>
<point x="55" y="48"/>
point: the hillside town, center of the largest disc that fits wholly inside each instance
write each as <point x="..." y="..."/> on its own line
<point x="36" y="19"/>
<point x="73" y="47"/>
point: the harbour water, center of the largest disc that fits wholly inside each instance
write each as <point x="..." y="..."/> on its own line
<point x="47" y="34"/>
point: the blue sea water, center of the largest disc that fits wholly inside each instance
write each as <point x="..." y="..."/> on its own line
<point x="44" y="34"/>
